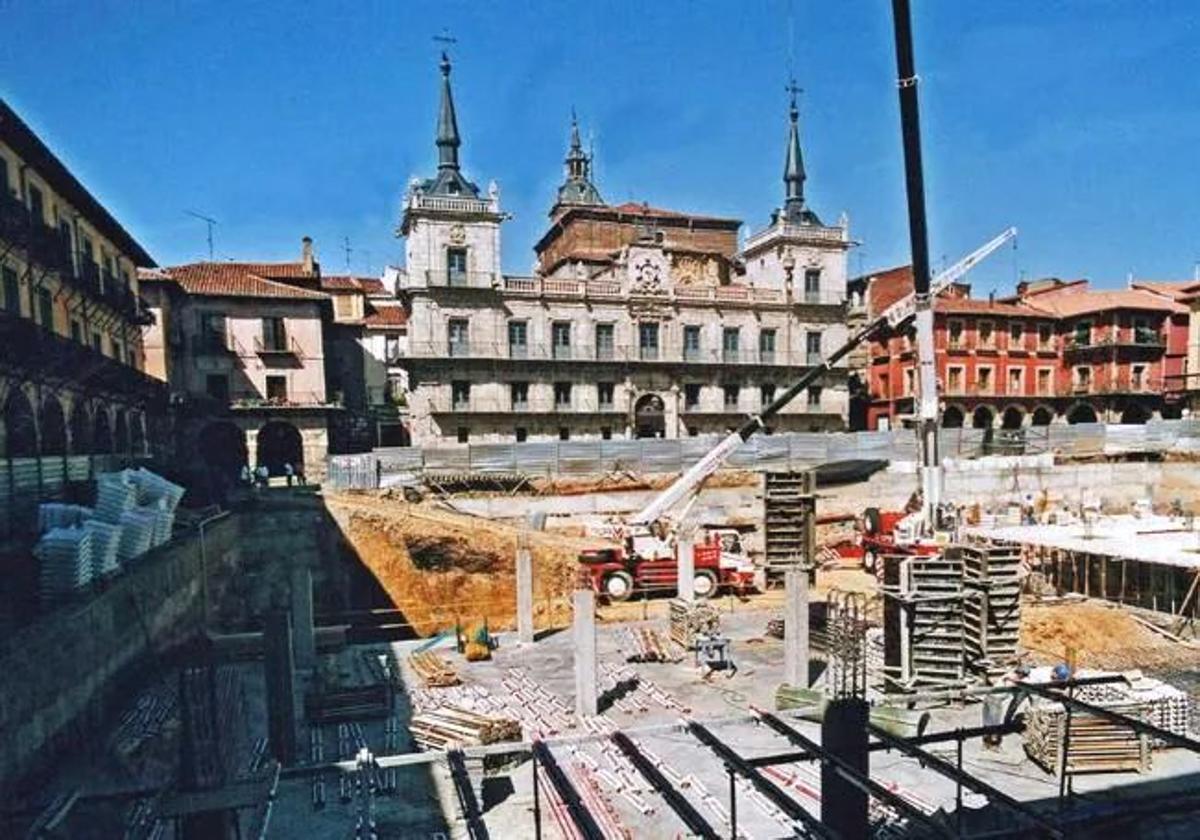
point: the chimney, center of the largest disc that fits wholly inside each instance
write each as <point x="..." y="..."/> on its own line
<point x="306" y="254"/>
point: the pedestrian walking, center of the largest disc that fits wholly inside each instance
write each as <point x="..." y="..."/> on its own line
<point x="289" y="473"/>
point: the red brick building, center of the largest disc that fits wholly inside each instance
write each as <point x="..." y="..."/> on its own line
<point x="1054" y="352"/>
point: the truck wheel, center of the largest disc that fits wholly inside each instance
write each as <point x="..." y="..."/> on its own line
<point x="871" y="520"/>
<point x="618" y="586"/>
<point x="704" y="584"/>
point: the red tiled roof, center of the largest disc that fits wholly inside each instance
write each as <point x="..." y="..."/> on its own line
<point x="386" y="316"/>
<point x="344" y="282"/>
<point x="1174" y="289"/>
<point x="1069" y="304"/>
<point x="217" y="279"/>
<point x="890" y="285"/>
<point x="975" y="306"/>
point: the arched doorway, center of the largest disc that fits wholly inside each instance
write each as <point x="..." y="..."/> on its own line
<point x="280" y="443"/>
<point x="952" y="417"/>
<point x="121" y="433"/>
<point x="223" y="449"/>
<point x="649" y="417"/>
<point x="102" y="441"/>
<point x="1042" y="416"/>
<point x="81" y="430"/>
<point x="1135" y="414"/>
<point x="54" y="427"/>
<point x="1081" y="413"/>
<point x="20" y="430"/>
<point x="1012" y="418"/>
<point x="137" y="434"/>
<point x="982" y="418"/>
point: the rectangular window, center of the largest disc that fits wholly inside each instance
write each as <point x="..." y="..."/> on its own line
<point x="77" y="331"/>
<point x="604" y="341"/>
<point x="909" y="382"/>
<point x="648" y="341"/>
<point x="730" y="338"/>
<point x="691" y="343"/>
<point x="731" y="393"/>
<point x="954" y="330"/>
<point x="812" y="347"/>
<point x="1016" y="336"/>
<point x="457" y="332"/>
<point x="1016" y="382"/>
<point x="606" y="433"/>
<point x="391" y="348"/>
<point x="216" y="385"/>
<point x="97" y="342"/>
<point x="1045" y="336"/>
<point x="519" y="395"/>
<point x="766" y="394"/>
<point x="463" y="434"/>
<point x="562" y="395"/>
<point x="1143" y="333"/>
<point x="277" y="391"/>
<point x="564" y="433"/>
<point x="1083" y="378"/>
<point x="1045" y="381"/>
<point x="37" y="205"/>
<point x="812" y="285"/>
<point x="885" y="386"/>
<point x="12" y="291"/>
<point x="560" y="333"/>
<point x="1137" y="377"/>
<point x="456" y="266"/>
<point x="766" y="346"/>
<point x="954" y="379"/>
<point x="518" y="339"/>
<point x="213" y="335"/>
<point x="1082" y="334"/>
<point x="460" y="395"/>
<point x="604" y="395"/>
<point x="814" y="396"/>
<point x="983" y="380"/>
<point x="691" y="396"/>
<point x="274" y="335"/>
<point x="987" y="334"/>
<point x="522" y="434"/>
<point x="45" y="309"/>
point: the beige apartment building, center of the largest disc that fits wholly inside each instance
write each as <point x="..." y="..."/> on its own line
<point x="638" y="321"/>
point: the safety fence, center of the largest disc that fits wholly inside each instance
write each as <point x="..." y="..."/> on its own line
<point x="26" y="482"/>
<point x="384" y="467"/>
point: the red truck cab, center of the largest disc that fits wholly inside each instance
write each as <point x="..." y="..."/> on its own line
<point x="617" y="573"/>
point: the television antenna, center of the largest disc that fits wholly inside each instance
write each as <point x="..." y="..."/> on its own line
<point x="208" y="221"/>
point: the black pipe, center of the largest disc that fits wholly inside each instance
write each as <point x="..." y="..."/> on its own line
<point x="695" y="822"/>
<point x="910" y="128"/>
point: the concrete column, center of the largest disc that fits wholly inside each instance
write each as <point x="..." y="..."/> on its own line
<point x="524" y="596"/>
<point x="304" y="647"/>
<point x="795" y="628"/>
<point x="586" y="698"/>
<point x="281" y="686"/>
<point x="685" y="585"/>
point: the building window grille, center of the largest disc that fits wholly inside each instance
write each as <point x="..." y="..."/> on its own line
<point x="812" y="285"/>
<point x="518" y="339"/>
<point x="456" y="266"/>
<point x="766" y="346"/>
<point x="730" y="338"/>
<point x="812" y="347"/>
<point x="458" y="333"/>
<point x="648" y="342"/>
<point x="604" y="342"/>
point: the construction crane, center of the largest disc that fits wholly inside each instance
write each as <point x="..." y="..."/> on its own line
<point x="650" y="534"/>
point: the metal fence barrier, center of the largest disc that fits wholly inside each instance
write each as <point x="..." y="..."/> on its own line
<point x="384" y="467"/>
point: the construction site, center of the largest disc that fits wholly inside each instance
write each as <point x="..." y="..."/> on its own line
<point x="764" y="639"/>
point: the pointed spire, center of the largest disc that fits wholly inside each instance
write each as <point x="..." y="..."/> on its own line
<point x="793" y="168"/>
<point x="578" y="187"/>
<point x="448" y="140"/>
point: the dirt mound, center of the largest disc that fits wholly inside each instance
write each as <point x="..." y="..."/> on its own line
<point x="1101" y="636"/>
<point x="439" y="567"/>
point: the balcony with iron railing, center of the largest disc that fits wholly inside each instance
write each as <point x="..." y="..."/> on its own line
<point x="543" y="406"/>
<point x="278" y="346"/>
<point x="249" y="399"/>
<point x="451" y="279"/>
<point x="1126" y="339"/>
<point x="427" y="351"/>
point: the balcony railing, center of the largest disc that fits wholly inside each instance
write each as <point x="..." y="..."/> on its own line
<point x="287" y="346"/>
<point x="247" y="399"/>
<point x="804" y="233"/>
<point x="444" y="278"/>
<point x="1141" y="338"/>
<point x="491" y="405"/>
<point x="449" y="204"/>
<point x="419" y="350"/>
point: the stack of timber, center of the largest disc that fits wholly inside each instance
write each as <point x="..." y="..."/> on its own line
<point x="789" y="519"/>
<point x="451" y="727"/>
<point x="991" y="605"/>
<point x="434" y="671"/>
<point x="649" y="645"/>
<point x="690" y="619"/>
<point x="1095" y="744"/>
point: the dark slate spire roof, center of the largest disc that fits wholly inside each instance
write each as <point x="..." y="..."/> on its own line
<point x="578" y="188"/>
<point x="793" y="172"/>
<point x="449" y="179"/>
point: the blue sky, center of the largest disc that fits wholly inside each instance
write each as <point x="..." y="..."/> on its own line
<point x="1079" y="122"/>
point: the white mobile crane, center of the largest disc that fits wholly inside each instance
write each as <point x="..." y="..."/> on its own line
<point x="649" y="536"/>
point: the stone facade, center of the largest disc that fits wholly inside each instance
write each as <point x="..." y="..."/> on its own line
<point x="638" y="321"/>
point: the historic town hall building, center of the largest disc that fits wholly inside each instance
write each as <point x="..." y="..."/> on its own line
<point x="638" y="321"/>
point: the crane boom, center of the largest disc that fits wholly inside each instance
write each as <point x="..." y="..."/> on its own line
<point x="894" y="317"/>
